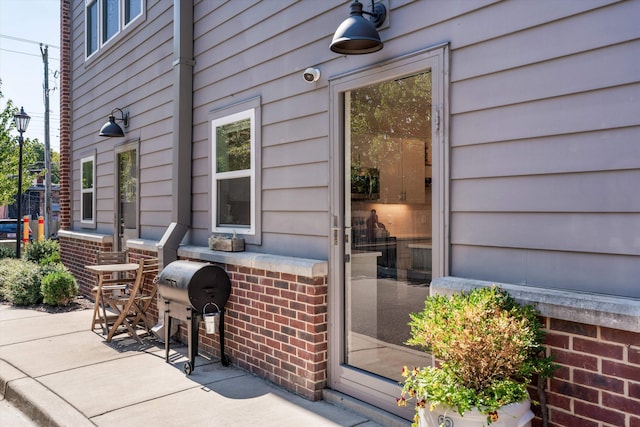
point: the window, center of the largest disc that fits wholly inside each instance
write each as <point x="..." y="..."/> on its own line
<point x="106" y="18"/>
<point x="87" y="190"/>
<point x="235" y="177"/>
<point x="233" y="170"/>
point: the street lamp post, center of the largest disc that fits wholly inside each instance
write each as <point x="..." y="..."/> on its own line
<point x="21" y="121"/>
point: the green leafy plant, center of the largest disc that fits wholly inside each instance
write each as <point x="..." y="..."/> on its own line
<point x="6" y="252"/>
<point x="488" y="348"/>
<point x="59" y="286"/>
<point x="20" y="281"/>
<point x="43" y="252"/>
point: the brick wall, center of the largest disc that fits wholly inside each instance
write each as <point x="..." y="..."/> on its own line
<point x="275" y="323"/>
<point x="598" y="382"/>
<point x="276" y="328"/>
<point x="75" y="255"/>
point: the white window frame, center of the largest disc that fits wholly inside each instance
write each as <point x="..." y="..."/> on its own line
<point x="99" y="24"/>
<point x="92" y="221"/>
<point x="220" y="176"/>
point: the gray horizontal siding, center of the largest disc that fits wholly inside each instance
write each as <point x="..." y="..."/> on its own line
<point x="606" y="192"/>
<point x="577" y="152"/>
<point x="294" y="127"/>
<point x="580" y="112"/>
<point x="581" y="272"/>
<point x="610" y="233"/>
<point x="132" y="72"/>
<point x="563" y="33"/>
<point x="563" y="76"/>
<point x="545" y="163"/>
<point x="544" y="125"/>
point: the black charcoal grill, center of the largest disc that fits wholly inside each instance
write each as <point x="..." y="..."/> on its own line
<point x="188" y="288"/>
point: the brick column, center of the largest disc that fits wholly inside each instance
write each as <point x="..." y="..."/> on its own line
<point x="65" y="114"/>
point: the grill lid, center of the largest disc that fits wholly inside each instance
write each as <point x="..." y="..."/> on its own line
<point x="194" y="283"/>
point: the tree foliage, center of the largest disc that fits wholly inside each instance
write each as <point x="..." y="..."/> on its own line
<point x="385" y="113"/>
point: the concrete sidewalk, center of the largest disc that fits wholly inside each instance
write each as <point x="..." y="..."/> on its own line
<point x="61" y="374"/>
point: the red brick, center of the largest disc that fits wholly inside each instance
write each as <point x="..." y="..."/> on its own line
<point x="288" y="277"/>
<point x="559" y="401"/>
<point x="600" y="413"/>
<point x="620" y="370"/>
<point x="574" y="390"/>
<point x="556" y="340"/>
<point x="593" y="379"/>
<point x="559" y="418"/>
<point x="623" y="337"/>
<point x="634" y="390"/>
<point x="634" y="422"/>
<point x="634" y="355"/>
<point x="572" y="359"/>
<point x="598" y="348"/>
<point x="621" y="403"/>
<point x="573" y="328"/>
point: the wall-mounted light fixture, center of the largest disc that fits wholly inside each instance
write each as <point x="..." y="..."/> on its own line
<point x="357" y="35"/>
<point x="111" y="128"/>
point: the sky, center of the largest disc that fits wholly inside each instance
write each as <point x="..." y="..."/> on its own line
<point x="24" y="24"/>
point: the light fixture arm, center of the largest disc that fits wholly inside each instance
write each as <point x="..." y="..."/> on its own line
<point x="124" y="117"/>
<point x="379" y="13"/>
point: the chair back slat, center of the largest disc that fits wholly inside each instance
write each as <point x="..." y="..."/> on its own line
<point x="147" y="266"/>
<point x="115" y="257"/>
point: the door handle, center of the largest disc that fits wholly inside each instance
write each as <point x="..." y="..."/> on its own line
<point x="335" y="231"/>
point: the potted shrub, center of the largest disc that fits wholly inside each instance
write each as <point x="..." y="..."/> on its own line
<point x="488" y="349"/>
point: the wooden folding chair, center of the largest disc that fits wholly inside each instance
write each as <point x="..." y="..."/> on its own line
<point x="112" y="284"/>
<point x="132" y="308"/>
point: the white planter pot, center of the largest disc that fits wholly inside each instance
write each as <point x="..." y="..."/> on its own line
<point x="512" y="415"/>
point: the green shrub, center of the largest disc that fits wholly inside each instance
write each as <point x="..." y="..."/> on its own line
<point x="43" y="252"/>
<point x="20" y="281"/>
<point x="488" y="346"/>
<point x="6" y="252"/>
<point x="59" y="287"/>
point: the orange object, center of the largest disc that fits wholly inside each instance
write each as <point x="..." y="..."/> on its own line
<point x="25" y="230"/>
<point x="40" y="228"/>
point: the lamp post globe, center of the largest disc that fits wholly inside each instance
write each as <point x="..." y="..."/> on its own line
<point x="21" y="121"/>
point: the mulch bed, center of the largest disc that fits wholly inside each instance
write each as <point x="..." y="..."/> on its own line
<point x="78" y="303"/>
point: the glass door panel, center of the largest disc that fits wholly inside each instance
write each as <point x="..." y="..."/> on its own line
<point x="388" y="214"/>
<point x="127" y="196"/>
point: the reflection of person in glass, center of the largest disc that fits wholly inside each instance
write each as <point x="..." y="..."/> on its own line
<point x="372" y="225"/>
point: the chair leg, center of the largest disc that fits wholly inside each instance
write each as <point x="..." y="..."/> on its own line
<point x="142" y="305"/>
<point x="105" y="319"/>
<point x="121" y="320"/>
<point x="95" y="317"/>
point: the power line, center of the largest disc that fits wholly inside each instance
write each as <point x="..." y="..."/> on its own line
<point x="4" y="36"/>
<point x="25" y="53"/>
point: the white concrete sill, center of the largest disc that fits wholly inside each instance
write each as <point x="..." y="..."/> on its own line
<point x="581" y="307"/>
<point x="305" y="267"/>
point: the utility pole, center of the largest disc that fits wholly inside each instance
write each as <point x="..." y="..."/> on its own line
<point x="47" y="145"/>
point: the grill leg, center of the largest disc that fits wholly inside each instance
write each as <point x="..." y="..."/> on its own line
<point x="192" y="339"/>
<point x="167" y="331"/>
<point x="223" y="357"/>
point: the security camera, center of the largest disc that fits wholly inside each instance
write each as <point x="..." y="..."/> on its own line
<point x="311" y="75"/>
